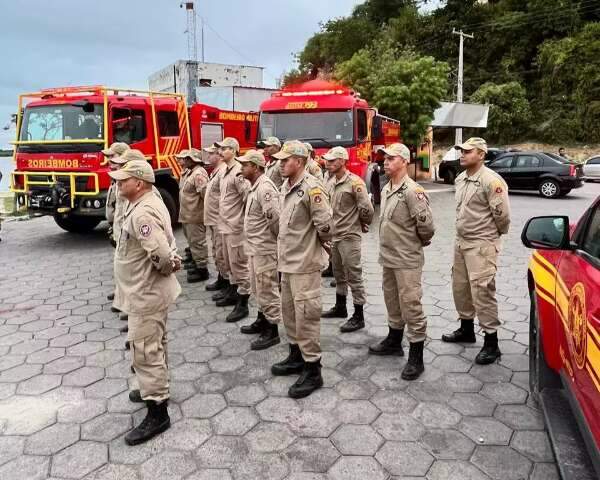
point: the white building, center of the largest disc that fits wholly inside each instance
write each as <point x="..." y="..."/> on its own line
<point x="184" y="76"/>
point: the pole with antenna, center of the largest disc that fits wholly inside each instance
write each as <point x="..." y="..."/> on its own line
<point x="459" y="90"/>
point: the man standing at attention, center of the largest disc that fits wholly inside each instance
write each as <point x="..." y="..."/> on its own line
<point x="352" y="215"/>
<point x="405" y="227"/>
<point x="482" y="217"/>
<point x="145" y="263"/>
<point x="305" y="228"/>
<point x="270" y="147"/>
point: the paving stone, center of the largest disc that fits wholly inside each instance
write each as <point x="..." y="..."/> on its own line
<point x="322" y="399"/>
<point x="25" y="415"/>
<point x="203" y="405"/>
<point x="83" y="377"/>
<point x="67" y="340"/>
<point x="181" y="391"/>
<point x="461" y="383"/>
<point x="214" y="382"/>
<point x="26" y="467"/>
<point x="356" y="412"/>
<point x="20" y="373"/>
<point x="504" y="393"/>
<point x="270" y="437"/>
<point x="104" y="359"/>
<point x="276" y="409"/>
<point x="388" y="379"/>
<point x="357" y="440"/>
<point x="517" y="363"/>
<point x="234" y="421"/>
<point x="46" y="355"/>
<point x="221" y="452"/>
<point x="114" y="472"/>
<point x="211" y="474"/>
<point x="81" y="411"/>
<point x="534" y="445"/>
<point x="38" y="385"/>
<point x="435" y="415"/>
<point x="311" y="455"/>
<point x="394" y="401"/>
<point x="455" y="470"/>
<point x="106" y="427"/>
<point x="545" y="471"/>
<point x="485" y="430"/>
<point x="52" y="439"/>
<point x="357" y="468"/>
<point x="168" y="465"/>
<point x="491" y="373"/>
<point x="261" y="465"/>
<point x="520" y="417"/>
<point x="64" y="365"/>
<point x="501" y="463"/>
<point x="84" y="349"/>
<point x="451" y="364"/>
<point x="245" y="395"/>
<point x="313" y="423"/>
<point x="472" y="404"/>
<point x="188" y="371"/>
<point x="430" y="392"/>
<point x="201" y="354"/>
<point x="404" y="458"/>
<point x="106" y="388"/>
<point x="78" y="460"/>
<point x="399" y="426"/>
<point x="29" y="346"/>
<point x="9" y="361"/>
<point x="448" y="444"/>
<point x="10" y="448"/>
<point x="121" y="404"/>
<point x="356" y="389"/>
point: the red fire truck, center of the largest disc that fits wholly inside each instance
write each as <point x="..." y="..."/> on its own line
<point x="327" y="115"/>
<point x="61" y="131"/>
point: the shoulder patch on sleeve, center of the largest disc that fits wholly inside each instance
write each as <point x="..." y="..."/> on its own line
<point x="145" y="230"/>
<point x="315" y="191"/>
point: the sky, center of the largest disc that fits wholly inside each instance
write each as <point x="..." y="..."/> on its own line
<point x="51" y="43"/>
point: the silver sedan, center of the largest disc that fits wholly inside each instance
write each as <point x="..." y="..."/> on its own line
<point x="591" y="169"/>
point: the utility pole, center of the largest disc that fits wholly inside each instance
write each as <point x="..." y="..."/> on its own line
<point x="459" y="90"/>
<point x="192" y="46"/>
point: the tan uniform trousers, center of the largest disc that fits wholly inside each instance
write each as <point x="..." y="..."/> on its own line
<point x="402" y="294"/>
<point x="237" y="261"/>
<point x="301" y="312"/>
<point x="474" y="284"/>
<point x="217" y="251"/>
<point x="347" y="269"/>
<point x="195" y="234"/>
<point x="264" y="282"/>
<point x="148" y="338"/>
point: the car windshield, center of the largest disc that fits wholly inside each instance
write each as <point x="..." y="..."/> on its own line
<point x="321" y="129"/>
<point x="62" y="122"/>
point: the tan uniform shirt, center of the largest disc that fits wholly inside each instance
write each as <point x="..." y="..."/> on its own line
<point x="314" y="169"/>
<point x="144" y="258"/>
<point x="234" y="190"/>
<point x="192" y="189"/>
<point x="482" y="207"/>
<point x="405" y="225"/>
<point x="212" y="196"/>
<point x="273" y="171"/>
<point x="305" y="221"/>
<point x="351" y="205"/>
<point x="111" y="202"/>
<point x="261" y="221"/>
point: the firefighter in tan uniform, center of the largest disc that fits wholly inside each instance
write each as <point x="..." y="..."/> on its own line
<point x="145" y="263"/>
<point x="405" y="227"/>
<point x="270" y="147"/>
<point x="482" y="216"/>
<point x="261" y="226"/>
<point x="192" y="188"/>
<point x="352" y="215"/>
<point x="212" y="218"/>
<point x="234" y="189"/>
<point x="305" y="229"/>
<point x="312" y="166"/>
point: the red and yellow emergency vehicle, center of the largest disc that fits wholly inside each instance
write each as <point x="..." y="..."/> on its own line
<point x="328" y="115"/>
<point x="564" y="351"/>
<point x="60" y="170"/>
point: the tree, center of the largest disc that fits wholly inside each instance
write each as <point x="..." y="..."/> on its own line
<point x="401" y="84"/>
<point x="510" y="113"/>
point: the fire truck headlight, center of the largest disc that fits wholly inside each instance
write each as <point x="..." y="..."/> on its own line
<point x="97" y="203"/>
<point x="87" y="204"/>
<point x="21" y="200"/>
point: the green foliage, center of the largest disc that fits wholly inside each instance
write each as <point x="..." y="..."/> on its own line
<point x="510" y="112"/>
<point x="402" y="85"/>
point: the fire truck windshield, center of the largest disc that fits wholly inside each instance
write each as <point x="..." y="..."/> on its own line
<point x="62" y="122"/>
<point x="321" y="129"/>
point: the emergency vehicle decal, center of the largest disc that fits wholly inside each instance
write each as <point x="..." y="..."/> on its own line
<point x="571" y="309"/>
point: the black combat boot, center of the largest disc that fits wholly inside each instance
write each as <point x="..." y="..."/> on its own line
<point x="135" y="396"/>
<point x="127" y="345"/>
<point x="230" y="298"/>
<point x="187" y="252"/>
<point x="114" y="309"/>
<point x="268" y="337"/>
<point x="191" y="265"/>
<point x="328" y="272"/>
<point x="240" y="311"/>
<point x="308" y="382"/>
<point x="390" y="345"/>
<point x="355" y="322"/>
<point x="124" y="329"/>
<point x="490" y="351"/>
<point x="219" y="284"/>
<point x="123" y="316"/>
<point x="339" y="310"/>
<point x="464" y="334"/>
<point x="257" y="326"/>
<point x="197" y="274"/>
<point x="157" y="421"/>
<point x="222" y="293"/>
<point x="292" y="364"/>
<point x="111" y="296"/>
<point x="414" y="367"/>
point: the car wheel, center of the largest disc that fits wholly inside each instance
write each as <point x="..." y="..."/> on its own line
<point x="549" y="189"/>
<point x="540" y="374"/>
<point x="76" y="224"/>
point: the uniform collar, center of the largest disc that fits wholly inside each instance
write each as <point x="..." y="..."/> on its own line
<point x="297" y="184"/>
<point x="343" y="179"/>
<point x="259" y="180"/>
<point x="402" y="185"/>
<point x="132" y="205"/>
<point x="476" y="177"/>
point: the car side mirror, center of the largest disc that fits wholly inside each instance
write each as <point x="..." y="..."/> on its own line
<point x="547" y="233"/>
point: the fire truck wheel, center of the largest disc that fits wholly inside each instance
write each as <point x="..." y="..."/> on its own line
<point x="170" y="204"/>
<point x="75" y="224"/>
<point x="540" y="374"/>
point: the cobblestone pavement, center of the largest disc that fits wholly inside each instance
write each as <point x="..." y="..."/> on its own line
<point x="64" y="377"/>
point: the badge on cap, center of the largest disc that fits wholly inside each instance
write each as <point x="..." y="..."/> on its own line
<point x="145" y="230"/>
